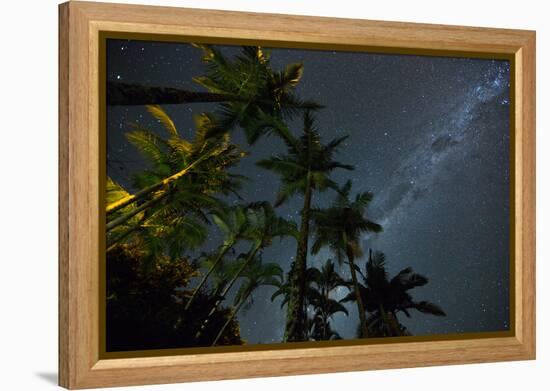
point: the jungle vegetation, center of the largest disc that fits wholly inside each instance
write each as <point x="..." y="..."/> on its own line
<point x="162" y="292"/>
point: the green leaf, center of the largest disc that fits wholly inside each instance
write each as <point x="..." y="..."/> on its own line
<point x="157" y="112"/>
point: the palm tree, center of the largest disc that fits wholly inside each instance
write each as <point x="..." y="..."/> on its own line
<point x="250" y="93"/>
<point x="256" y="274"/>
<point x="114" y="192"/>
<point x="265" y="96"/>
<point x="340" y="228"/>
<point x="324" y="282"/>
<point x="179" y="189"/>
<point x="175" y="158"/>
<point x="304" y="169"/>
<point x="319" y="285"/>
<point x="159" y="232"/>
<point x="384" y="297"/>
<point x="265" y="225"/>
<point x="317" y="330"/>
<point x="234" y="224"/>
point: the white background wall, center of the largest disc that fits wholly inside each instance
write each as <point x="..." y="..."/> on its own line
<point x="28" y="192"/>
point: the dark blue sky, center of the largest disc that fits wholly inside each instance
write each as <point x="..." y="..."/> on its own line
<point x="429" y="136"/>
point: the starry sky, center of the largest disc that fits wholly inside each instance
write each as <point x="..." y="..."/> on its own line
<point x="429" y="137"/>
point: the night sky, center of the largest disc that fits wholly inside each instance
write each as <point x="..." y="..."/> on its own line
<point x="429" y="137"/>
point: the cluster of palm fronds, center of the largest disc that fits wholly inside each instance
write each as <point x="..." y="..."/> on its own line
<point x="154" y="232"/>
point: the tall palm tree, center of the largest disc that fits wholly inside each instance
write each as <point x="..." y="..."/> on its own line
<point x="250" y="93"/>
<point x="324" y="282"/>
<point x="265" y="225"/>
<point x="384" y="298"/>
<point x="305" y="168"/>
<point x="266" y="96"/>
<point x="340" y="227"/>
<point x="256" y="274"/>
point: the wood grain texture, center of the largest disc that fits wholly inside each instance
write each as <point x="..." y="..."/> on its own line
<point x="527" y="165"/>
<point x="63" y="220"/>
<point x="79" y="208"/>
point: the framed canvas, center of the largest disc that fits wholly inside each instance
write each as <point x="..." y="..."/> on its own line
<point x="246" y="195"/>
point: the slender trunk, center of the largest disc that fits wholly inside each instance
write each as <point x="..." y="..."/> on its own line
<point x="325" y="326"/>
<point x="294" y="330"/>
<point x="384" y="316"/>
<point x="233" y="314"/>
<point x="112" y="243"/>
<point x="358" y="299"/>
<point x="228" y="287"/>
<point x="222" y="252"/>
<point x="135" y="94"/>
<point x="126" y="94"/>
<point x="325" y="309"/>
<point x="394" y="324"/>
<point x="125" y="217"/>
<point x="129" y="199"/>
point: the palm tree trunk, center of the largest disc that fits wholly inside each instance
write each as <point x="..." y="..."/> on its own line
<point x="113" y="242"/>
<point x="125" y="217"/>
<point x="325" y="311"/>
<point x="384" y="316"/>
<point x="325" y="326"/>
<point x="131" y="198"/>
<point x="222" y="252"/>
<point x="394" y="324"/>
<point x="294" y="329"/>
<point x="358" y="299"/>
<point x="135" y="94"/>
<point x="228" y="287"/>
<point x="233" y="314"/>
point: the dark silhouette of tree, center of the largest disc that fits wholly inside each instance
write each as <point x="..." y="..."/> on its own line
<point x="257" y="274"/>
<point x="384" y="298"/>
<point x="319" y="287"/>
<point x="304" y="169"/>
<point x="131" y="94"/>
<point x="340" y="227"/>
<point x="322" y="284"/>
<point x="145" y="305"/>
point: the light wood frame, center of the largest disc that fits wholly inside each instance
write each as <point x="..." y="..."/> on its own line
<point x="80" y="24"/>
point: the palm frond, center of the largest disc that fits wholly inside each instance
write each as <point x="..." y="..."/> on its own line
<point x="429" y="308"/>
<point x="159" y="113"/>
<point x="151" y="146"/>
<point x="114" y="191"/>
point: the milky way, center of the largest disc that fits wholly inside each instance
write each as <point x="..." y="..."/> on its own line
<point x="429" y="136"/>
